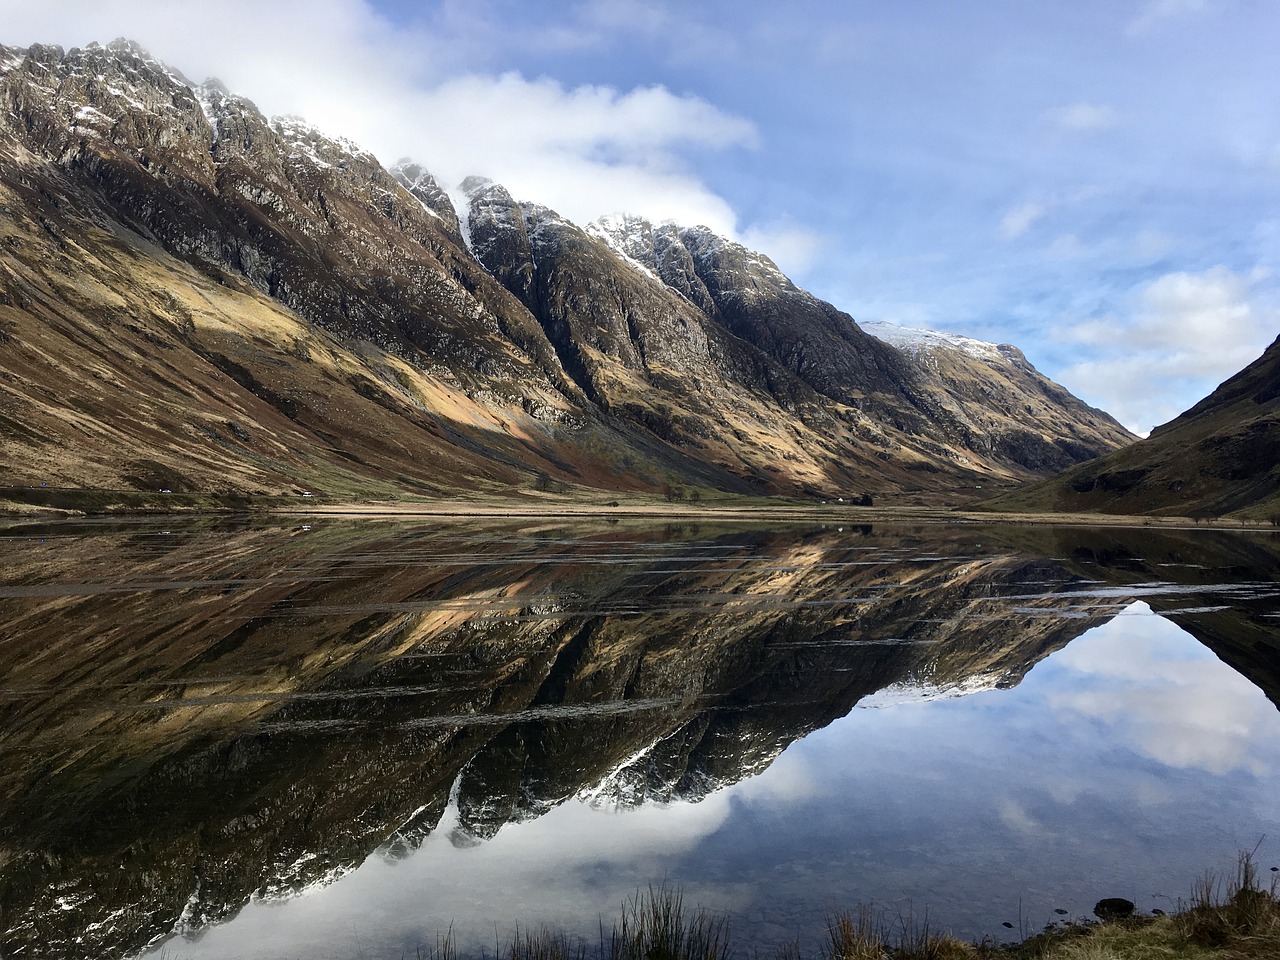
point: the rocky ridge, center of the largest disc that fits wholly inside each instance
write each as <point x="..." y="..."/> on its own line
<point x="285" y="313"/>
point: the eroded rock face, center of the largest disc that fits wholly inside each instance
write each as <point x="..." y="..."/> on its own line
<point x="989" y="405"/>
<point x="399" y="342"/>
<point x="998" y="403"/>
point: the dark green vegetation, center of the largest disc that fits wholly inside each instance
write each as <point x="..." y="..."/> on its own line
<point x="91" y="501"/>
<point x="1219" y="459"/>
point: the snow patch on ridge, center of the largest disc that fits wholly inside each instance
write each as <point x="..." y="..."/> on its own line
<point x="464" y="224"/>
<point x="11" y="59"/>
<point x="204" y="93"/>
<point x="628" y="237"/>
<point x="304" y="137"/>
<point x="415" y="184"/>
<point x="914" y="340"/>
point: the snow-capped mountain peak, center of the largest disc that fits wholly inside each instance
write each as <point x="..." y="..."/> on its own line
<point x="918" y="340"/>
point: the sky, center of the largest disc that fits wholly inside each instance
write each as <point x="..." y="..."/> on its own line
<point x="1094" y="181"/>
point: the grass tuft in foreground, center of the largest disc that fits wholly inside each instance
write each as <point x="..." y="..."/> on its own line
<point x="1236" y="914"/>
<point x="654" y="927"/>
<point x="866" y="936"/>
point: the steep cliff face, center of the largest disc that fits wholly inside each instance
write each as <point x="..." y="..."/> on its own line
<point x="285" y="313"/>
<point x="314" y="223"/>
<point x="988" y="408"/>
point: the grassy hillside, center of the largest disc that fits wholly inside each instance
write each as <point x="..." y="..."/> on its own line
<point x="1220" y="458"/>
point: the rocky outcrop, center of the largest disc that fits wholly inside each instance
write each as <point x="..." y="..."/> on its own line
<point x="998" y="404"/>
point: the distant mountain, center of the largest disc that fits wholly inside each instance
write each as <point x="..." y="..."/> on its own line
<point x="197" y="298"/>
<point x="1001" y="404"/>
<point x="1220" y="458"/>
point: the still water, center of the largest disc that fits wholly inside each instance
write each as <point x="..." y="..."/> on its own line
<point x="343" y="740"/>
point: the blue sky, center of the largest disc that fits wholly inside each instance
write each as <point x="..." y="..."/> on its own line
<point x="1094" y="181"/>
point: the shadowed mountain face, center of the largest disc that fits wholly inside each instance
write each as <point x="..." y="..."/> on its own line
<point x="1220" y="458"/>
<point x="193" y="717"/>
<point x="198" y="298"/>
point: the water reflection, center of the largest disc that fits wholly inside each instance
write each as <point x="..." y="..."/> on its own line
<point x="1163" y="695"/>
<point x="526" y="725"/>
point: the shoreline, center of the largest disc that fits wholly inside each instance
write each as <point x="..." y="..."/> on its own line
<point x="40" y="505"/>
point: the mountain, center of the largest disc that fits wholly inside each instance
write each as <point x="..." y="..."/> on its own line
<point x="1220" y="458"/>
<point x="201" y="299"/>
<point x="1000" y="403"/>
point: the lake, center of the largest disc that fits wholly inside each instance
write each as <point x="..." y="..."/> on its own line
<point x="343" y="739"/>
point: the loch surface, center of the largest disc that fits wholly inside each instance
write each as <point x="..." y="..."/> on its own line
<point x="344" y="739"/>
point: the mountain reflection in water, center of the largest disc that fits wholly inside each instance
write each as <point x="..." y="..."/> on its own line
<point x="194" y="716"/>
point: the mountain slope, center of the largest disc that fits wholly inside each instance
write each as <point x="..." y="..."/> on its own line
<point x="198" y="298"/>
<point x="998" y="403"/>
<point x="1220" y="458"/>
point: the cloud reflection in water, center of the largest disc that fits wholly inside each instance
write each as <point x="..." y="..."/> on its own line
<point x="1163" y="694"/>
<point x="1122" y="765"/>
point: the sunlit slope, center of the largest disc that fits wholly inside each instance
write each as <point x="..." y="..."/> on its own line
<point x="125" y="368"/>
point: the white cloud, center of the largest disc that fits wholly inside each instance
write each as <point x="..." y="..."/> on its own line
<point x="583" y="150"/>
<point x="1198" y="328"/>
<point x="793" y="248"/>
<point x="1125" y="388"/>
<point x="1084" y="117"/>
<point x="1021" y="218"/>
<point x="1209" y="312"/>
